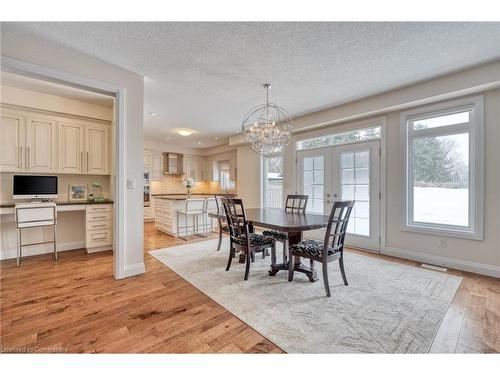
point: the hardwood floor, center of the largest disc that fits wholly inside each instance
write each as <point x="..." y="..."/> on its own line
<point x="75" y="305"/>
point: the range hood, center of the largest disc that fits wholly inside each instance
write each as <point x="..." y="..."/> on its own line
<point x="172" y="164"/>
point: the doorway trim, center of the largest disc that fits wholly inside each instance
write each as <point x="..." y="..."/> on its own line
<point x="17" y="66"/>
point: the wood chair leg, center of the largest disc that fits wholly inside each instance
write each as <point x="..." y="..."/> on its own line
<point x="291" y="266"/>
<point x="285" y="251"/>
<point x="273" y="253"/>
<point x="220" y="235"/>
<point x="342" y="270"/>
<point x="247" y="264"/>
<point x="231" y="256"/>
<point x="325" y="279"/>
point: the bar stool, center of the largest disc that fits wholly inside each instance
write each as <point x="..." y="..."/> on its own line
<point x="194" y="208"/>
<point x="210" y="208"/>
<point x="35" y="215"/>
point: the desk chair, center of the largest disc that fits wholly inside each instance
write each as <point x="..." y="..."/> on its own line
<point x="35" y="215"/>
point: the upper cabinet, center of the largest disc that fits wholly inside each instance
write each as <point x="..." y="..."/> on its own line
<point x="45" y="143"/>
<point x="156" y="166"/>
<point x="97" y="149"/>
<point x="147" y="160"/>
<point x="195" y="167"/>
<point x="71" y="148"/>
<point x="41" y="144"/>
<point x="12" y="141"/>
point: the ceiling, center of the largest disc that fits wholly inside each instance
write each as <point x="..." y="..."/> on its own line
<point x="205" y="76"/>
<point x="32" y="84"/>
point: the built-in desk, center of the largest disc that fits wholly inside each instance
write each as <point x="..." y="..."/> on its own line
<point x="97" y="226"/>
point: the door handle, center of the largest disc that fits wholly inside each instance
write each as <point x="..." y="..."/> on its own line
<point x="335" y="195"/>
<point x="328" y="201"/>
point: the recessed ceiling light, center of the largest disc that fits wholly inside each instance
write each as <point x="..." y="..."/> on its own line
<point x="237" y="132"/>
<point x="216" y="138"/>
<point x="153" y="114"/>
<point x="199" y="142"/>
<point x="168" y="138"/>
<point x="184" y="132"/>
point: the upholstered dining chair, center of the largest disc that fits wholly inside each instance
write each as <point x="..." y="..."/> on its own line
<point x="241" y="238"/>
<point x="220" y="210"/>
<point x="294" y="204"/>
<point x="332" y="247"/>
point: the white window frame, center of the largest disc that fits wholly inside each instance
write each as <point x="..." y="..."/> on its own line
<point x="263" y="173"/>
<point x="475" y="129"/>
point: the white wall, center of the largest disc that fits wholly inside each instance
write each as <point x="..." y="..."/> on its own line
<point x="249" y="177"/>
<point x="43" y="53"/>
<point x="46" y="102"/>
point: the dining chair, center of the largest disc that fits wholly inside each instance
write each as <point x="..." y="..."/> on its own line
<point x="332" y="247"/>
<point x="241" y="238"/>
<point x="294" y="204"/>
<point x="220" y="210"/>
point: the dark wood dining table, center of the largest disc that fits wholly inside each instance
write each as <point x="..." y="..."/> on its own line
<point x="294" y="224"/>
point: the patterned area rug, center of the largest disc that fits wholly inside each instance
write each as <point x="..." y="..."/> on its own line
<point x="387" y="307"/>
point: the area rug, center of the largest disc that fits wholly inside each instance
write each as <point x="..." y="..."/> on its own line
<point x="387" y="307"/>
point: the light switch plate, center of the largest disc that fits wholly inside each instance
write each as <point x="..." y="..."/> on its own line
<point x="131" y="184"/>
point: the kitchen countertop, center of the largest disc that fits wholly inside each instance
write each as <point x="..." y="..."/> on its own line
<point x="181" y="197"/>
<point x="64" y="203"/>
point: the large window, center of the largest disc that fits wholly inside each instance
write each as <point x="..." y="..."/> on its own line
<point x="443" y="167"/>
<point x="273" y="182"/>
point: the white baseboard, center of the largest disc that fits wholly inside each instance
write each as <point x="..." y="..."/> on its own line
<point x="458" y="264"/>
<point x="132" y="270"/>
<point x="42" y="249"/>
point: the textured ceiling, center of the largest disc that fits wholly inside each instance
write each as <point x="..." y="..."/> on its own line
<point x="205" y="76"/>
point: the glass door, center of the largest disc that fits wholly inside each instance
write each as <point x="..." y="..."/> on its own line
<point x="356" y="176"/>
<point x="347" y="172"/>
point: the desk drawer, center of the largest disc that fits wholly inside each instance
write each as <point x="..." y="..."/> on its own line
<point x="99" y="216"/>
<point x="99" y="237"/>
<point x="98" y="225"/>
<point x="99" y="208"/>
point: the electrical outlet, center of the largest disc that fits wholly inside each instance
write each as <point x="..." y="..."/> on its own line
<point x="442" y="243"/>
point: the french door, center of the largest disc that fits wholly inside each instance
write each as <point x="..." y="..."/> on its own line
<point x="347" y="172"/>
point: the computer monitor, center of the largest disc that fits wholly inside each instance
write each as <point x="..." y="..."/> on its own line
<point x="34" y="187"/>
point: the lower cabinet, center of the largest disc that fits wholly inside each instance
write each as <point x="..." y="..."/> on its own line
<point x="99" y="227"/>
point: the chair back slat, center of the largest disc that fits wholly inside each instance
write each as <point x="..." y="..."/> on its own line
<point x="296" y="203"/>
<point x="337" y="226"/>
<point x="236" y="219"/>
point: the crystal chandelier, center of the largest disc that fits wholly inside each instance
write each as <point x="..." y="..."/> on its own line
<point x="267" y="127"/>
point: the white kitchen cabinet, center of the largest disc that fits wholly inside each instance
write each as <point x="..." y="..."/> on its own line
<point x="156" y="166"/>
<point x="41" y="144"/>
<point x="97" y="149"/>
<point x="71" y="148"/>
<point x="195" y="167"/>
<point x="99" y="227"/>
<point x="147" y="159"/>
<point x="12" y="141"/>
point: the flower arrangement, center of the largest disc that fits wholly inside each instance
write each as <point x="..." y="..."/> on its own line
<point x="188" y="184"/>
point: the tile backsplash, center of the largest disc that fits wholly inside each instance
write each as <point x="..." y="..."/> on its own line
<point x="173" y="185"/>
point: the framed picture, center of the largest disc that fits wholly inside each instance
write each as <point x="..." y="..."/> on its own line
<point x="77" y="192"/>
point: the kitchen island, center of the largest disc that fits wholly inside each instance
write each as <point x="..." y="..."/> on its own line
<point x="165" y="212"/>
